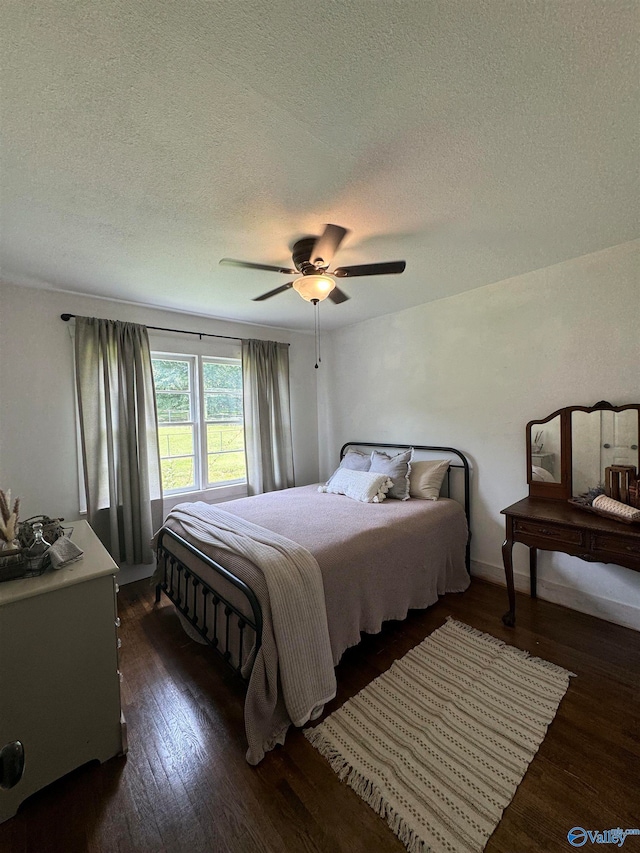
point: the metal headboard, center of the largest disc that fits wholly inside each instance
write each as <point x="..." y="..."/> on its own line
<point x="464" y="466"/>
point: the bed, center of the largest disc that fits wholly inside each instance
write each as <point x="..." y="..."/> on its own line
<point x="375" y="562"/>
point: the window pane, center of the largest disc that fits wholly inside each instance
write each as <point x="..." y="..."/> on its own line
<point x="173" y="407"/>
<point x="170" y="375"/>
<point x="226" y="466"/>
<point x="222" y="405"/>
<point x="177" y="457"/>
<point x="175" y="441"/>
<point x="177" y="473"/>
<point x="221" y="437"/>
<point x="219" y="375"/>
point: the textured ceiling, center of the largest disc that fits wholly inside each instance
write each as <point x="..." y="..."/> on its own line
<point x="143" y="141"/>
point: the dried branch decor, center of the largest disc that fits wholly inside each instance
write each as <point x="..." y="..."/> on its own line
<point x="9" y="519"/>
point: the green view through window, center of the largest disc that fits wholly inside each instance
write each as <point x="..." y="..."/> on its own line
<point x="201" y="428"/>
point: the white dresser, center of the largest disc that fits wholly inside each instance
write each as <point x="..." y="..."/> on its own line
<point x="59" y="678"/>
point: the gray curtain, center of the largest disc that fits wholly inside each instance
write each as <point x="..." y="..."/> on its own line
<point x="267" y="416"/>
<point x="119" y="435"/>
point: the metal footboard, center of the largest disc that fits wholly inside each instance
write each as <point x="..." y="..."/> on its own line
<point x="207" y="611"/>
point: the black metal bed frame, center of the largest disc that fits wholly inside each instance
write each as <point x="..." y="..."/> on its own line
<point x="180" y="584"/>
<point x="464" y="467"/>
<point x="173" y="573"/>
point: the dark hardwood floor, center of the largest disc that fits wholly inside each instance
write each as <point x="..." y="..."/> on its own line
<point x="185" y="785"/>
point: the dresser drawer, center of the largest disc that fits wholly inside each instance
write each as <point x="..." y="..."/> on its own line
<point x="619" y="545"/>
<point x="548" y="533"/>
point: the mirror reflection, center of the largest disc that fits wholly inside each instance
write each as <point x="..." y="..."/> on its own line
<point x="545" y="451"/>
<point x="600" y="439"/>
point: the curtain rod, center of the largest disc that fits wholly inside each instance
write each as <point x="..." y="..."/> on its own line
<point x="67" y="317"/>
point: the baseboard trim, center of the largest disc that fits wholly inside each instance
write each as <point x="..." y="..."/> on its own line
<point x="618" y="612"/>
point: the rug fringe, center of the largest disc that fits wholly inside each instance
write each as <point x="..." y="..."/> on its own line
<point x="369" y="792"/>
<point x="545" y="664"/>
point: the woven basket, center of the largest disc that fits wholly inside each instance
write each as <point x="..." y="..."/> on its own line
<point x="15" y="564"/>
<point x="12" y="564"/>
<point x="51" y="529"/>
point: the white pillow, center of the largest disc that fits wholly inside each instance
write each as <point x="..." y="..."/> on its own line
<point x="360" y="485"/>
<point x="426" y="477"/>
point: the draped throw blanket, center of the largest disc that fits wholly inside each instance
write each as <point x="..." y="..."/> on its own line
<point x="119" y="435"/>
<point x="267" y="416"/>
<point x="292" y="676"/>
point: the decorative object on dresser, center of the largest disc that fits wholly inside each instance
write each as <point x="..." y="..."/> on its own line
<point x="24" y="545"/>
<point x="423" y="744"/>
<point x="616" y="509"/>
<point x="59" y="678"/>
<point x="618" y="480"/>
<point x="596" y="448"/>
<point x="9" y="544"/>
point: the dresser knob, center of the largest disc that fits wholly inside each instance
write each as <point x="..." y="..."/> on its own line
<point x="119" y="643"/>
<point x="117" y="589"/>
<point x="11" y="764"/>
<point x="117" y="621"/>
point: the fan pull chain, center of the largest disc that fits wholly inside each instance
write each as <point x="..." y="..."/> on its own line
<point x="316" y="329"/>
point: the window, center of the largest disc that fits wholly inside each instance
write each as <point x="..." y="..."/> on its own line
<point x="200" y="422"/>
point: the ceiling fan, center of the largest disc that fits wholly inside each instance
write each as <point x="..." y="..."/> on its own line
<point x="311" y="258"/>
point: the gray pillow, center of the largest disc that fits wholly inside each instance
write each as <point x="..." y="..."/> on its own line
<point x="397" y="468"/>
<point x="353" y="460"/>
<point x="356" y="460"/>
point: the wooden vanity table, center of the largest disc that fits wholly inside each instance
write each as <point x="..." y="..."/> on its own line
<point x="547" y="521"/>
<point x="557" y="526"/>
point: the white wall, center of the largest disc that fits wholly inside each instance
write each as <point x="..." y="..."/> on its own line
<point x="468" y="371"/>
<point x="472" y="370"/>
<point x="38" y="451"/>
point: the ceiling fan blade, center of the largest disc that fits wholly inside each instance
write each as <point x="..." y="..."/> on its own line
<point x="230" y="262"/>
<point x="275" y="292"/>
<point x="370" y="269"/>
<point x="327" y="245"/>
<point x="338" y="296"/>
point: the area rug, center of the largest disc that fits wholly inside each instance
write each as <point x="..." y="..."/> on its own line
<point x="438" y="744"/>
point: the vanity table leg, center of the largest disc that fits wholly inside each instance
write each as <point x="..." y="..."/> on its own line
<point x="533" y="571"/>
<point x="509" y="617"/>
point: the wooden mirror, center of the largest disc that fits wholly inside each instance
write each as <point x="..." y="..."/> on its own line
<point x="568" y="451"/>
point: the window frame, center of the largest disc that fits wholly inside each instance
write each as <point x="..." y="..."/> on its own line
<point x="198" y="423"/>
<point x="213" y="359"/>
<point x="193" y="422"/>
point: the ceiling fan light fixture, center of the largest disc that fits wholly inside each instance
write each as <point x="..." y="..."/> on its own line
<point x="314" y="288"/>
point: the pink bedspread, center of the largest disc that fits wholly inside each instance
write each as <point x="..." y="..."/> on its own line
<point x="377" y="560"/>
